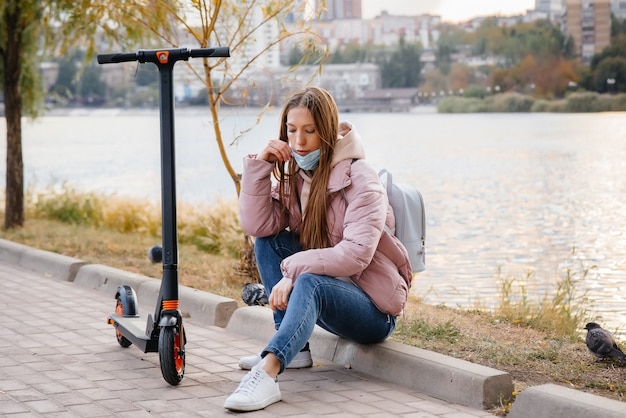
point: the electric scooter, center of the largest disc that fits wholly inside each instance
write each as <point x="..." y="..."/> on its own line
<point x="162" y="332"/>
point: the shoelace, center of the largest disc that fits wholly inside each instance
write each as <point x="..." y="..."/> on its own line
<point x="253" y="378"/>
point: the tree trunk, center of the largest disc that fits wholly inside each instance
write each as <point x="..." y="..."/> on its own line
<point x="247" y="260"/>
<point x="14" y="201"/>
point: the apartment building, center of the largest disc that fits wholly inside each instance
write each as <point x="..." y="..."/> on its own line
<point x="340" y="9"/>
<point x="588" y="23"/>
<point x="618" y="8"/>
<point x="549" y="9"/>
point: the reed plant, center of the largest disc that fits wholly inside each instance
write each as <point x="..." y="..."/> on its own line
<point x="213" y="228"/>
<point x="561" y="310"/>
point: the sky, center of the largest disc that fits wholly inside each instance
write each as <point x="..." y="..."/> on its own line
<point x="449" y="10"/>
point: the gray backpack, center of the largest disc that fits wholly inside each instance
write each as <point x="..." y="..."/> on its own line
<point x="408" y="209"/>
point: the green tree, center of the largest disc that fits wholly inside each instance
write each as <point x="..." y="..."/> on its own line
<point x="19" y="36"/>
<point x="616" y="49"/>
<point x="618" y="26"/>
<point x="513" y="43"/>
<point x="350" y="53"/>
<point x="64" y="87"/>
<point x="29" y="29"/>
<point x="295" y="56"/>
<point x="449" y="41"/>
<point x="613" y="69"/>
<point x="607" y="64"/>
<point x="401" y="68"/>
<point x="92" y="88"/>
<point x="66" y="84"/>
<point x="534" y="56"/>
<point x="488" y="38"/>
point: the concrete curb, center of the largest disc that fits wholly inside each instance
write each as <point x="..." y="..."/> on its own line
<point x="203" y="307"/>
<point x="108" y="279"/>
<point x="49" y="264"/>
<point x="437" y="375"/>
<point x="431" y="373"/>
<point x="440" y="376"/>
<point x="553" y="401"/>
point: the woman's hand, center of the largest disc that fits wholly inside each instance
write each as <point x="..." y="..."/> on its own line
<point x="276" y="150"/>
<point x="279" y="298"/>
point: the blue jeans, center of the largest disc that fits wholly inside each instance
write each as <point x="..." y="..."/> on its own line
<point x="337" y="306"/>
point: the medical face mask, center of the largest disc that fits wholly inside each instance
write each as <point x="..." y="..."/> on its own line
<point x="309" y="161"/>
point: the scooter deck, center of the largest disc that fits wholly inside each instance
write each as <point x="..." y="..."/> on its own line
<point x="136" y="331"/>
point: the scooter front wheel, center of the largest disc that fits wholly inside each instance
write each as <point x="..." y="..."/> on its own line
<point x="172" y="354"/>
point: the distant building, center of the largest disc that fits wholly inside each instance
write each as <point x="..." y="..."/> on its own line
<point x="347" y="82"/>
<point x="553" y="9"/>
<point x="340" y="32"/>
<point x="341" y="9"/>
<point x="618" y="8"/>
<point x="588" y="23"/>
<point x="384" y="100"/>
<point x="386" y="29"/>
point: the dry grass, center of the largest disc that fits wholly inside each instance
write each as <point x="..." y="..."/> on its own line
<point x="197" y="268"/>
<point x="530" y="355"/>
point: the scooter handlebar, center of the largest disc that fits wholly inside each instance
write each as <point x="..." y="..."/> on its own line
<point x="119" y="57"/>
<point x="220" y="51"/>
<point x="150" y="55"/>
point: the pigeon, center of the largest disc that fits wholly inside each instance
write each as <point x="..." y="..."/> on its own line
<point x="254" y="294"/>
<point x="602" y="343"/>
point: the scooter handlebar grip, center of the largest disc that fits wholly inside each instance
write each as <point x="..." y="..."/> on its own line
<point x="220" y="51"/>
<point x="119" y="57"/>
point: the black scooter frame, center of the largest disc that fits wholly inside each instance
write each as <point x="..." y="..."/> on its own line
<point x="127" y="321"/>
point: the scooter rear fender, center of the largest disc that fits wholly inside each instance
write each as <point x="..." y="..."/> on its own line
<point x="128" y="297"/>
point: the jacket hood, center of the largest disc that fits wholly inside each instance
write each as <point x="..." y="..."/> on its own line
<point x="349" y="144"/>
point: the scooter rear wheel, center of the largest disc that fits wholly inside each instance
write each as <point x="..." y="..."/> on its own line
<point x="123" y="341"/>
<point x="172" y="354"/>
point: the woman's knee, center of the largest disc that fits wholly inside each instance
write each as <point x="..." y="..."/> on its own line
<point x="309" y="283"/>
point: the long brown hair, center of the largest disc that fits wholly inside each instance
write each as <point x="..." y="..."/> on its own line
<point x="314" y="231"/>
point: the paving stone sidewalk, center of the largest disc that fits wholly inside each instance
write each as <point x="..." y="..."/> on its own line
<point x="59" y="357"/>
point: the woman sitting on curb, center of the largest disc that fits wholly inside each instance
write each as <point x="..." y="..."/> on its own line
<point x="321" y="246"/>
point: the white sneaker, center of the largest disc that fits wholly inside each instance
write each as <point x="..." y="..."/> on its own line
<point x="300" y="361"/>
<point x="256" y="391"/>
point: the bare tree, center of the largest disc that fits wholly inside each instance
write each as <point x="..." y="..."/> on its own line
<point x="238" y="25"/>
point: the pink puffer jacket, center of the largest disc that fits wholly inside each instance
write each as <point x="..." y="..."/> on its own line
<point x="360" y="250"/>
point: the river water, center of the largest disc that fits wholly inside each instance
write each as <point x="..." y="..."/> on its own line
<point x="508" y="196"/>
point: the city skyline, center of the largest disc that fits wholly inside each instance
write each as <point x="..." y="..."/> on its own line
<point x="449" y="10"/>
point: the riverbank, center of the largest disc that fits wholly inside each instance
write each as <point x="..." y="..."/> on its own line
<point x="519" y="103"/>
<point x="577" y="102"/>
<point x="531" y="356"/>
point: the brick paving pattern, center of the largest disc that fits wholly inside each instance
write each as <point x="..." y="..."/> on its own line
<point x="59" y="357"/>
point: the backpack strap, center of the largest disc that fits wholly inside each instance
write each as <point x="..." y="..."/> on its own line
<point x="388" y="179"/>
<point x="387" y="183"/>
<point x="388" y="190"/>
